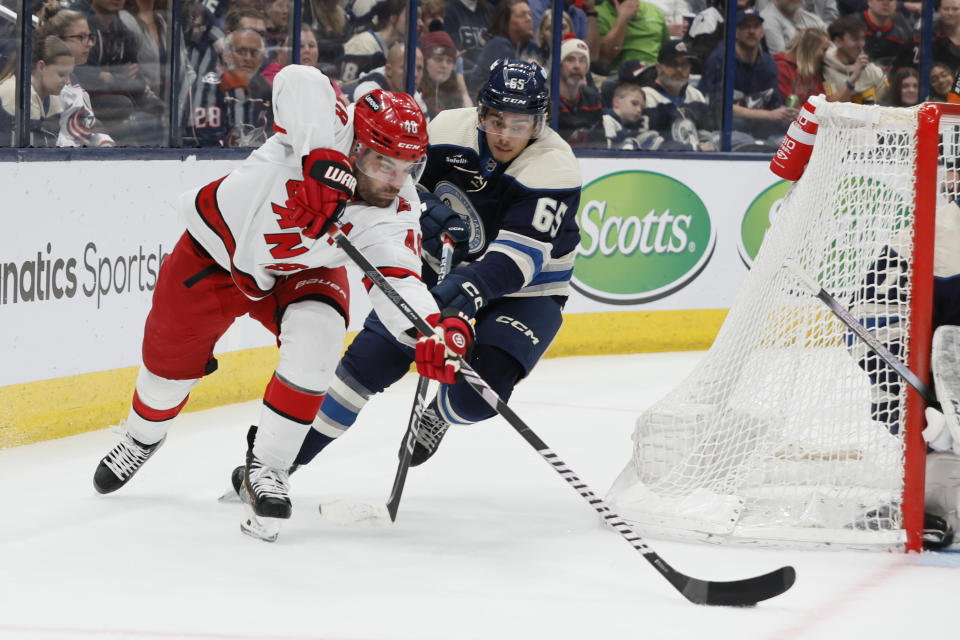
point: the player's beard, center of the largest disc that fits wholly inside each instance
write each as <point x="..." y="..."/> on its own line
<point x="374" y="192"/>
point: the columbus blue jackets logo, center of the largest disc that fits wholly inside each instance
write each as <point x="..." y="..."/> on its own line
<point x="454" y="198"/>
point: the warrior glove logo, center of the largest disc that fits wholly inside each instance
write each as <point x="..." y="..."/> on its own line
<point x="338" y="176"/>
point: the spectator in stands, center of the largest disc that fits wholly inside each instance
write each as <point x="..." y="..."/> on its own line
<point x="392" y="76"/>
<point x="582" y="14"/>
<point x="848" y="74"/>
<point x="678" y="112"/>
<point x="510" y="35"/>
<point x="674" y="12"/>
<point x="624" y="124"/>
<point x="545" y="35"/>
<point x="706" y="30"/>
<point x="432" y="14"/>
<point x="758" y="112"/>
<point x="442" y="87"/>
<point x="309" y="54"/>
<point x="146" y="20"/>
<point x="51" y="66"/>
<point x="631" y="72"/>
<point x="946" y="40"/>
<point x="278" y="22"/>
<point x="887" y="32"/>
<point x="201" y="38"/>
<point x="630" y="30"/>
<point x="782" y="19"/>
<point x="801" y="65"/>
<point x="904" y="88"/>
<point x="826" y="10"/>
<point x="329" y="21"/>
<point x="224" y="112"/>
<point x="78" y="124"/>
<point x="941" y="82"/>
<point x="580" y="120"/>
<point x="123" y="101"/>
<point x="466" y="21"/>
<point x="368" y="50"/>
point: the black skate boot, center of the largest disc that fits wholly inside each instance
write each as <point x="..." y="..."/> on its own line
<point x="430" y="432"/>
<point x="236" y="476"/>
<point x="266" y="492"/>
<point x="117" y="467"/>
<point x="937" y="533"/>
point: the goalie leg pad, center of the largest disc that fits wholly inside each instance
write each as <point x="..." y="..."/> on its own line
<point x="946" y="377"/>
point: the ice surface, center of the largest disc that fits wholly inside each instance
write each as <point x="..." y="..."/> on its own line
<point x="490" y="542"/>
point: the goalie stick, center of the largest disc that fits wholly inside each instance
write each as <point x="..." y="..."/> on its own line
<point x="857" y="327"/>
<point x="419" y="399"/>
<point x="748" y="591"/>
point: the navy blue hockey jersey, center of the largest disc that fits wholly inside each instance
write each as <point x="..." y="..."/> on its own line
<point x="522" y="215"/>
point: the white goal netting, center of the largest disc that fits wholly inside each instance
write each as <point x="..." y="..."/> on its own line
<point x="789" y="432"/>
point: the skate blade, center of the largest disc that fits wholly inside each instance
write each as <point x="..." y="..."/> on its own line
<point x="255" y="526"/>
<point x="230" y="497"/>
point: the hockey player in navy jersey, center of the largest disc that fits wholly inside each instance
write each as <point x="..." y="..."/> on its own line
<point x="255" y="244"/>
<point x="507" y="188"/>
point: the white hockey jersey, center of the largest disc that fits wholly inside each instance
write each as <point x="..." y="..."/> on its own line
<point x="240" y="220"/>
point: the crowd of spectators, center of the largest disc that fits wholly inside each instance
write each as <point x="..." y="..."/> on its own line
<point x="634" y="74"/>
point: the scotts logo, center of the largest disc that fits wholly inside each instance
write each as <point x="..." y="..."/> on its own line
<point x="644" y="235"/>
<point x="759" y="216"/>
<point x="372" y="102"/>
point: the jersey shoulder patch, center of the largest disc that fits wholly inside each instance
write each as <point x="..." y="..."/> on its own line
<point x="548" y="163"/>
<point x="454" y="127"/>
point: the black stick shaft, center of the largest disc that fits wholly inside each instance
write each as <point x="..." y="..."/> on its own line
<point x="416" y="412"/>
<point x="733" y="593"/>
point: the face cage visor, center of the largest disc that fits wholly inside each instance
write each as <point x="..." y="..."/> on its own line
<point x="511" y="125"/>
<point x="393" y="171"/>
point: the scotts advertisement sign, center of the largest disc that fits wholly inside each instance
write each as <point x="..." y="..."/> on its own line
<point x="643" y="236"/>
<point x="759" y="216"/>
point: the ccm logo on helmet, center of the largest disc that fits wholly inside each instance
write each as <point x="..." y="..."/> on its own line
<point x="407" y="145"/>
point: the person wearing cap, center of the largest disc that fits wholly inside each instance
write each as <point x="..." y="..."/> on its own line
<point x="442" y="87"/>
<point x="580" y="112"/>
<point x="629" y="30"/>
<point x="782" y="19"/>
<point x="674" y="109"/>
<point x="758" y="110"/>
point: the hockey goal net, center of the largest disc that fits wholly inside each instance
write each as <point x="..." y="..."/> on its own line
<point x="790" y="432"/>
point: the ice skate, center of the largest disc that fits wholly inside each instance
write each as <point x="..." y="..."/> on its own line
<point x="124" y="460"/>
<point x="430" y="432"/>
<point x="265" y="492"/>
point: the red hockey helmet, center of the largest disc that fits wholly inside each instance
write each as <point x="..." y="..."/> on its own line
<point x="392" y="126"/>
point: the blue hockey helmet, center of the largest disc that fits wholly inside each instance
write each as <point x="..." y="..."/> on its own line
<point x="515" y="86"/>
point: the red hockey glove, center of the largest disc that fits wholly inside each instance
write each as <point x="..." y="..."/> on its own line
<point x="438" y="355"/>
<point x="328" y="183"/>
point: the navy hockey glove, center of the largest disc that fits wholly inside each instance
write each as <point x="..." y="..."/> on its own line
<point x="438" y="355"/>
<point x="328" y="183"/>
<point x="461" y="291"/>
<point x="437" y="219"/>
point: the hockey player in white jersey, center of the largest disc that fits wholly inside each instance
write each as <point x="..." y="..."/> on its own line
<point x="507" y="188"/>
<point x="255" y="243"/>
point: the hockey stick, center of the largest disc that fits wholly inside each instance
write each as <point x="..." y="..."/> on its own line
<point x="857" y="327"/>
<point x="734" y="593"/>
<point x="419" y="398"/>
